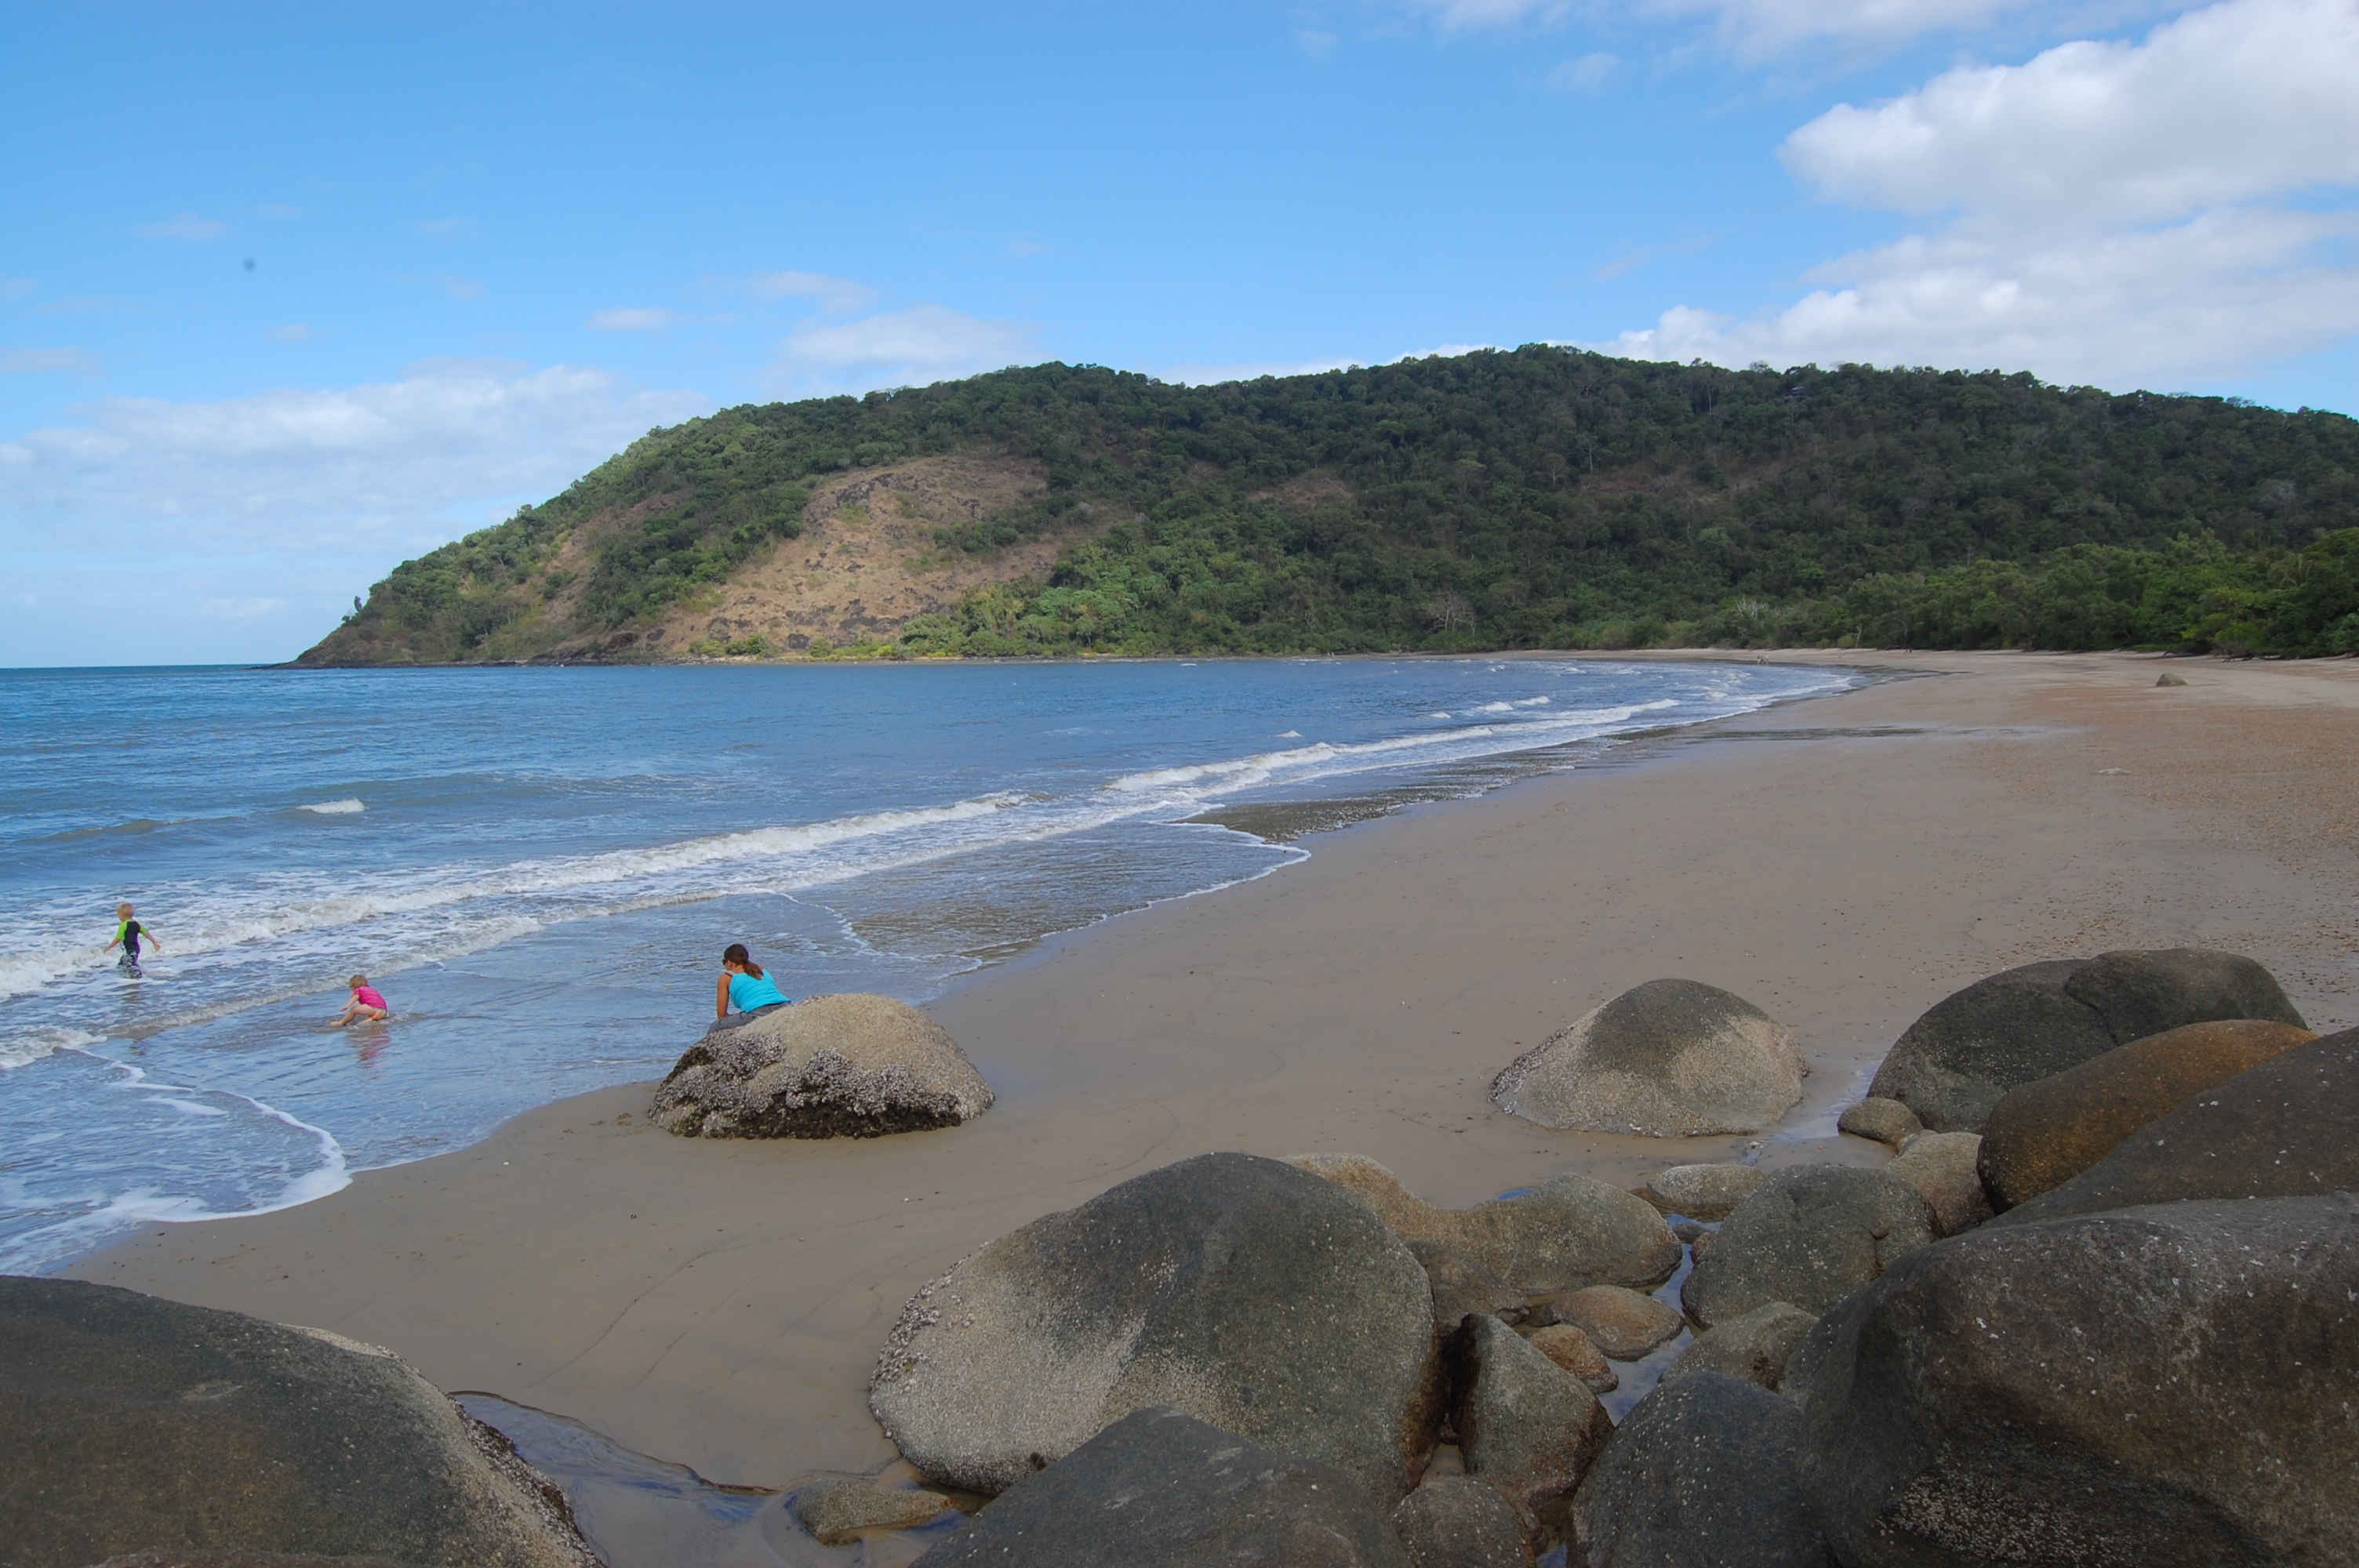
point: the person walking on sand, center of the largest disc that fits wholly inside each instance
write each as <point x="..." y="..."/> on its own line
<point x="128" y="933"/>
<point x="367" y="1005"/>
<point x="744" y="993"/>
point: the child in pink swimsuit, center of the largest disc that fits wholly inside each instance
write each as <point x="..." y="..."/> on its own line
<point x="366" y="1006"/>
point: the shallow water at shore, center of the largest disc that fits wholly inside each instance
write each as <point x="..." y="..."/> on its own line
<point x="538" y="867"/>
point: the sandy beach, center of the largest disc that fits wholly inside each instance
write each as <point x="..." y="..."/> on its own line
<point x="1843" y="862"/>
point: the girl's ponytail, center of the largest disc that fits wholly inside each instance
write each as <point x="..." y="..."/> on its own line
<point x="736" y="954"/>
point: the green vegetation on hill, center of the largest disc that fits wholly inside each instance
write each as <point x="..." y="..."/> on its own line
<point x="1538" y="498"/>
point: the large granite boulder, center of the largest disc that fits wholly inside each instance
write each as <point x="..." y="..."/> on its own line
<point x="1809" y="1237"/>
<point x="2165" y="1386"/>
<point x="1666" y="1059"/>
<point x="1524" y="1423"/>
<point x="2045" y="1132"/>
<point x="1699" y="1475"/>
<point x="2284" y="1129"/>
<point x="852" y="1065"/>
<point x="1952" y="1066"/>
<point x="1460" y="1287"/>
<point x="1758" y="1347"/>
<point x="1456" y="1521"/>
<point x="1161" y="1490"/>
<point x="138" y="1424"/>
<point x="1701" y="1192"/>
<point x="1239" y="1289"/>
<point x="1569" y="1231"/>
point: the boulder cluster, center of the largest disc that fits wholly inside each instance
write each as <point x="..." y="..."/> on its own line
<point x="2101" y="1306"/>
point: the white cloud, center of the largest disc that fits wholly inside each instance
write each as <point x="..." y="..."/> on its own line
<point x="836" y="296"/>
<point x="293" y="332"/>
<point x="35" y="362"/>
<point x="185" y="226"/>
<point x="630" y="319"/>
<point x="1316" y="43"/>
<point x="2148" y="213"/>
<point x="900" y="348"/>
<point x="390" y="467"/>
<point x="1586" y="74"/>
<point x="2254" y="98"/>
<point x="1747" y="27"/>
<point x="455" y="230"/>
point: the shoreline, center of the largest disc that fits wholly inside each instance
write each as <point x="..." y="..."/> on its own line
<point x="1843" y="862"/>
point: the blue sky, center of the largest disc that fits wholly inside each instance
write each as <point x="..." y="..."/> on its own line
<point x="288" y="293"/>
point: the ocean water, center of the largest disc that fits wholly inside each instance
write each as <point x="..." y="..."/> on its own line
<point x="540" y="868"/>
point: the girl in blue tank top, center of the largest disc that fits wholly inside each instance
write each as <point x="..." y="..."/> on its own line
<point x="745" y="991"/>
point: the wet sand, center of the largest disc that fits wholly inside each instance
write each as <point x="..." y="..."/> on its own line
<point x="1844" y="862"/>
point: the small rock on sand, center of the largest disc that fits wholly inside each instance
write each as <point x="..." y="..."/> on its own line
<point x="1810" y="1236"/>
<point x="1578" y="1354"/>
<point x="1624" y="1324"/>
<point x="1524" y="1424"/>
<point x="1456" y="1521"/>
<point x="1940" y="1165"/>
<point x="852" y="1065"/>
<point x="1568" y="1232"/>
<point x="1701" y="1192"/>
<point x="1670" y="1058"/>
<point x="2165" y="679"/>
<point x="839" y="1512"/>
<point x="1756" y="1346"/>
<point x="1160" y="1489"/>
<point x="2046" y="1132"/>
<point x="1880" y="1120"/>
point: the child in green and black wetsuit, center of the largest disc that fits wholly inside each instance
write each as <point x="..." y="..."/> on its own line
<point x="127" y="935"/>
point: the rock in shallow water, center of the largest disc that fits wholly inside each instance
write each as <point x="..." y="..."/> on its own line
<point x="135" y="1423"/>
<point x="1699" y="1474"/>
<point x="840" y="1512"/>
<point x="1456" y="1521"/>
<point x="1756" y="1346"/>
<point x="1568" y="1232"/>
<point x="1525" y="1425"/>
<point x="1810" y="1236"/>
<point x="2045" y="1132"/>
<point x="1624" y="1324"/>
<point x="1702" y="1192"/>
<point x="852" y="1065"/>
<point x="2281" y="1129"/>
<point x="1160" y="1489"/>
<point x="1238" y="1289"/>
<point x="1666" y="1059"/>
<point x="1952" y="1066"/>
<point x="2165" y="1386"/>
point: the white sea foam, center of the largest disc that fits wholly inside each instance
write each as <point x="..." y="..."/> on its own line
<point x="335" y="808"/>
<point x="27" y="1046"/>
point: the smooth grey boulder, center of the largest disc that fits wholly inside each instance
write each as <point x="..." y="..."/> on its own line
<point x="1942" y="1166"/>
<point x="1810" y="1236"/>
<point x="1758" y="1347"/>
<point x="2170" y="1386"/>
<point x="1666" y="1059"/>
<point x="1881" y="1120"/>
<point x="134" y="1423"/>
<point x="1524" y="1423"/>
<point x="1456" y="1521"/>
<point x="1160" y="1489"/>
<point x="852" y="1065"/>
<point x="2285" y="1129"/>
<point x="1240" y="1289"/>
<point x="1461" y="1287"/>
<point x="1571" y="1230"/>
<point x="1952" y="1066"/>
<point x="1701" y="1192"/>
<point x="1699" y="1474"/>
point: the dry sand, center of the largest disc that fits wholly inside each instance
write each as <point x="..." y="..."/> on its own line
<point x="1843" y="862"/>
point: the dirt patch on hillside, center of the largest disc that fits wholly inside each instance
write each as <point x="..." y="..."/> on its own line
<point x="866" y="563"/>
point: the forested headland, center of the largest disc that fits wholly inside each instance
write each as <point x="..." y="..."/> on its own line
<point x="1538" y="498"/>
